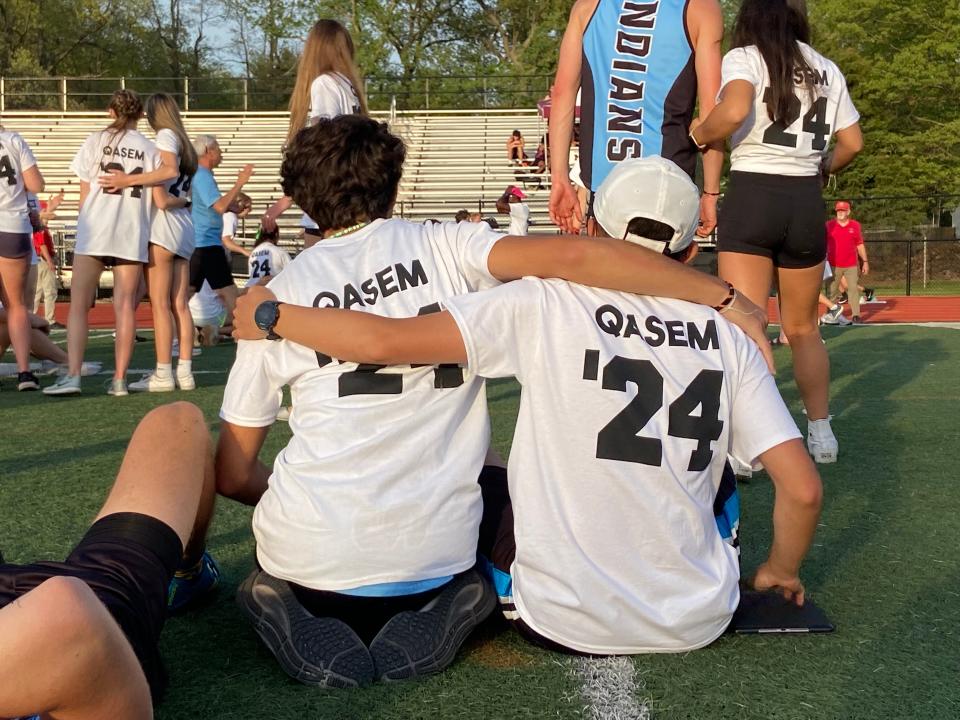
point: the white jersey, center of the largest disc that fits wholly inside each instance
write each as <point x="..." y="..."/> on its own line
<point x="788" y="148"/>
<point x="379" y="481"/>
<point x="265" y="260"/>
<point x="331" y="95"/>
<point x="15" y="157"/>
<point x="519" y="219"/>
<point x="117" y="223"/>
<point x="230" y="222"/>
<point x="629" y="408"/>
<point x="173" y="229"/>
<point x="206" y="307"/>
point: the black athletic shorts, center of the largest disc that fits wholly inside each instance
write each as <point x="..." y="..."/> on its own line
<point x="112" y="261"/>
<point x="367" y="615"/>
<point x="15" y="245"/>
<point x="210" y="264"/>
<point x="777" y="217"/>
<point x="127" y="560"/>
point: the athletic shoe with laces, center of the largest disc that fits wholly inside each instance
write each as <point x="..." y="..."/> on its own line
<point x="27" y="381"/>
<point x="191" y="586"/>
<point x="185" y="381"/>
<point x="857" y="320"/>
<point x="65" y="385"/>
<point x="832" y="316"/>
<point x="117" y="387"/>
<point x="843" y="320"/>
<point x="412" y="644"/>
<point x="151" y="382"/>
<point x="869" y="294"/>
<point x="843" y="298"/>
<point x="821" y="443"/>
<point x="319" y="651"/>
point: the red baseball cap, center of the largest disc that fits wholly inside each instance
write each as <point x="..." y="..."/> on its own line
<point x="514" y="190"/>
<point x="842" y="205"/>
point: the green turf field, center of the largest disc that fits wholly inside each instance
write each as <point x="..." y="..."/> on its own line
<point x="885" y="564"/>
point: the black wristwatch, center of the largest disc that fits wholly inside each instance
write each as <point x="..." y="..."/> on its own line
<point x="266" y="316"/>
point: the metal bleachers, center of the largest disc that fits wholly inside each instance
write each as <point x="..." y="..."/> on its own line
<point x="455" y="159"/>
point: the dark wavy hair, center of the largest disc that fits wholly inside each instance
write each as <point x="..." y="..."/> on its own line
<point x="775" y="27"/>
<point x="343" y="170"/>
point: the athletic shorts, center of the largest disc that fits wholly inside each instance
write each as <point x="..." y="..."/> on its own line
<point x="15" y="245"/>
<point x="774" y="216"/>
<point x="111" y="261"/>
<point x="127" y="560"/>
<point x="367" y="615"/>
<point x="210" y="264"/>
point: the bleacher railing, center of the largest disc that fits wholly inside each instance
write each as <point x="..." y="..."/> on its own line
<point x="422" y="92"/>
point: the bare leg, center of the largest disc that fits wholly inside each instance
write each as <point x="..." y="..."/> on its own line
<point x="83" y="292"/>
<point x="13" y="278"/>
<point x="61" y="653"/>
<point x="180" y="292"/>
<point x="228" y="296"/>
<point x="159" y="275"/>
<point x="126" y="279"/>
<point x="811" y="365"/>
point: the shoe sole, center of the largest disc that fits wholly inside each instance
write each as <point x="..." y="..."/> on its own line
<point x="28" y="386"/>
<point x="153" y="390"/>
<point x="461" y="608"/>
<point x="190" y="385"/>
<point x="65" y="391"/>
<point x="279" y="619"/>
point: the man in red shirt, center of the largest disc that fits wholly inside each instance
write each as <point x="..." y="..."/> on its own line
<point x="844" y="247"/>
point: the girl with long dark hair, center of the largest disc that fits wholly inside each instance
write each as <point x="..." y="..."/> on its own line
<point x="780" y="103"/>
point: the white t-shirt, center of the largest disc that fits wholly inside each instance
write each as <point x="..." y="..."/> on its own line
<point x="206" y="308"/>
<point x="629" y="408"/>
<point x="115" y="224"/>
<point x="379" y="481"/>
<point x="761" y="146"/>
<point x="519" y="218"/>
<point x="15" y="157"/>
<point x="173" y="229"/>
<point x="230" y="222"/>
<point x="331" y="95"/>
<point x="266" y="259"/>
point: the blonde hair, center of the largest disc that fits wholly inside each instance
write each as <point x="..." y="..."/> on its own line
<point x="328" y="49"/>
<point x="163" y="114"/>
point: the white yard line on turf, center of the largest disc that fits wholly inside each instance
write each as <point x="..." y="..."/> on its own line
<point x="609" y="688"/>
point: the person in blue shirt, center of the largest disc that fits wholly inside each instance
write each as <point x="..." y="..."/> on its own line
<point x="209" y="261"/>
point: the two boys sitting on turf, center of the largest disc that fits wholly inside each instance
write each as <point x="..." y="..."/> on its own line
<point x="629" y="408"/>
<point x="367" y="532"/>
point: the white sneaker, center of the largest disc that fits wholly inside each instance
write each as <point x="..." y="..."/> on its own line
<point x="185" y="381"/>
<point x="89" y="368"/>
<point x="117" y="387"/>
<point x="843" y="320"/>
<point x="821" y="443"/>
<point x="65" y="385"/>
<point x="153" y="383"/>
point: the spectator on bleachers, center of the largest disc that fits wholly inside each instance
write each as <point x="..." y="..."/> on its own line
<point x="47" y="271"/>
<point x="540" y="159"/>
<point x="515" y="148"/>
<point x="512" y="203"/>
<point x="209" y="261"/>
<point x="328" y="84"/>
<point x="113" y="229"/>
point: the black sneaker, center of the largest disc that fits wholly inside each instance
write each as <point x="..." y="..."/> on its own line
<point x="27" y="381"/>
<point x="319" y="651"/>
<point x="869" y="294"/>
<point x="857" y="320"/>
<point x="842" y="298"/>
<point x="424" y="642"/>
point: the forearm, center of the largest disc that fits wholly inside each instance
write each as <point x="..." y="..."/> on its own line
<point x="607" y="263"/>
<point x="233" y="246"/>
<point x="862" y="252"/>
<point x="712" y="169"/>
<point x="344" y="334"/>
<point x="223" y="204"/>
<point x="560" y="129"/>
<point x="161" y="175"/>
<point x="239" y="473"/>
<point x="720" y="124"/>
<point x="280" y="207"/>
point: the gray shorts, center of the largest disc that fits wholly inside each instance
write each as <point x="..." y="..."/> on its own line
<point x="15" y="245"/>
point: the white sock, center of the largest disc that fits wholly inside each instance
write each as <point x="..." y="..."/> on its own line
<point x="184" y="367"/>
<point x="164" y="370"/>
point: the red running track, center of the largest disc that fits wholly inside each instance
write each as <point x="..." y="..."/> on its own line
<point x="895" y="310"/>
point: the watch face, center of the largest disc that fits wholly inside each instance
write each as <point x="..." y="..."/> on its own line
<point x="265" y="316"/>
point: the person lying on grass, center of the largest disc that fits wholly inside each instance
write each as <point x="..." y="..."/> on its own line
<point x="630" y="406"/>
<point x="78" y="639"/>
